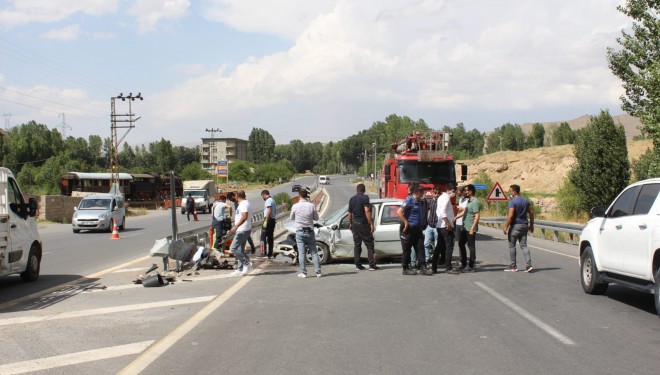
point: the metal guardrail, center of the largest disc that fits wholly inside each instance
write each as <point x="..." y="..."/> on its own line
<point x="572" y="230"/>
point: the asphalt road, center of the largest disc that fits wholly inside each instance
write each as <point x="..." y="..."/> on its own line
<point x="271" y="322"/>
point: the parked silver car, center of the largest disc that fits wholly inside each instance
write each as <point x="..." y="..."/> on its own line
<point x="334" y="239"/>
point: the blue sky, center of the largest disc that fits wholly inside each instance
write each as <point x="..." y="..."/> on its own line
<point x="311" y="70"/>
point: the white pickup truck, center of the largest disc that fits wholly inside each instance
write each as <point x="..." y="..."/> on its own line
<point x="621" y="244"/>
<point x="20" y="245"/>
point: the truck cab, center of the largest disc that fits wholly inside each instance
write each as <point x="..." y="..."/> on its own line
<point x="20" y="244"/>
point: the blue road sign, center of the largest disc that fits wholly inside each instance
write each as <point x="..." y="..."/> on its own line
<point x="480" y="186"/>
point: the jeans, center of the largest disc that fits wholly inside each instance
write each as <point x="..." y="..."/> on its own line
<point x="217" y="230"/>
<point x="444" y="249"/>
<point x="267" y="237"/>
<point x="518" y="232"/>
<point x="362" y="233"/>
<point x="238" y="248"/>
<point x="307" y="240"/>
<point x="430" y="240"/>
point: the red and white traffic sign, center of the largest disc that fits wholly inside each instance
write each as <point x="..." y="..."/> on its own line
<point x="497" y="193"/>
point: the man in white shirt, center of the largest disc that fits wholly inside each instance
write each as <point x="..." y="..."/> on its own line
<point x="220" y="210"/>
<point x="445" y="245"/>
<point x="242" y="229"/>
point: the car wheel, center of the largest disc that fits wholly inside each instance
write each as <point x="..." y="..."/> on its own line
<point x="589" y="274"/>
<point x="323" y="251"/>
<point x="206" y="209"/>
<point x="656" y="291"/>
<point x="123" y="223"/>
<point x="76" y="231"/>
<point x="31" y="272"/>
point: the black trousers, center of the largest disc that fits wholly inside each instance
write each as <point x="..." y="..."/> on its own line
<point x="444" y="249"/>
<point x="414" y="237"/>
<point x="468" y="239"/>
<point x="267" y="237"/>
<point x="362" y="233"/>
<point x="462" y="240"/>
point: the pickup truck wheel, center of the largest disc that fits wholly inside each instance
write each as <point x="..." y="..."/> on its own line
<point x="589" y="274"/>
<point x="323" y="251"/>
<point x="206" y="209"/>
<point x="76" y="231"/>
<point x="31" y="272"/>
<point x="656" y="290"/>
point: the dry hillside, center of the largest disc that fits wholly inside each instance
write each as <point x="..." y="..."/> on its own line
<point x="539" y="170"/>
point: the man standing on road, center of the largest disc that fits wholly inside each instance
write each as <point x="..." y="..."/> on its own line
<point x="242" y="229"/>
<point x="190" y="206"/>
<point x="431" y="232"/>
<point x="361" y="224"/>
<point x="303" y="214"/>
<point x="445" y="247"/>
<point x="268" y="230"/>
<point x="220" y="210"/>
<point x="462" y="239"/>
<point x="411" y="232"/>
<point x="471" y="225"/>
<point x="517" y="226"/>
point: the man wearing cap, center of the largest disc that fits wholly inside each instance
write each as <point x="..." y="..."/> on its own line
<point x="268" y="228"/>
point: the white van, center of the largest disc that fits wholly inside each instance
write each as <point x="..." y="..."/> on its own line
<point x="98" y="211"/>
<point x="324" y="180"/>
<point x="20" y="244"/>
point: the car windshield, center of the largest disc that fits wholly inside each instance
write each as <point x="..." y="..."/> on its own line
<point x="335" y="216"/>
<point x="427" y="172"/>
<point x="94" y="204"/>
<point x="195" y="194"/>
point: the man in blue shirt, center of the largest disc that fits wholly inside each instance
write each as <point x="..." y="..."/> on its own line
<point x="516" y="228"/>
<point x="268" y="228"/>
<point x="411" y="213"/>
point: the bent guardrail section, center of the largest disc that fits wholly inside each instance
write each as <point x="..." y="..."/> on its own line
<point x="547" y="227"/>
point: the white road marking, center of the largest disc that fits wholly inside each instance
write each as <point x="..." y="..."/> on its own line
<point x="73" y="358"/>
<point x="542" y="249"/>
<point x="536" y="321"/>
<point x="104" y="310"/>
<point x="159" y="348"/>
<point x="130" y="270"/>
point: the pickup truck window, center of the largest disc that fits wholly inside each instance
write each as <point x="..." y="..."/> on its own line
<point x="646" y="198"/>
<point x="624" y="205"/>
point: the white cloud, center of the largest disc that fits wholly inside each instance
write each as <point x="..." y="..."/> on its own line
<point x="71" y="32"/>
<point x="150" y="12"/>
<point x="23" y="12"/>
<point x="102" y="35"/>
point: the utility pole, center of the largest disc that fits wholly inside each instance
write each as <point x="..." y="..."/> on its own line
<point x="212" y="152"/>
<point x="115" y="118"/>
<point x="7" y="118"/>
<point x="500" y="142"/>
<point x="64" y="125"/>
<point x="374" y="144"/>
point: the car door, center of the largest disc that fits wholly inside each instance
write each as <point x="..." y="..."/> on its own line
<point x="614" y="229"/>
<point x="638" y="231"/>
<point x="343" y="241"/>
<point x="386" y="234"/>
<point x="19" y="228"/>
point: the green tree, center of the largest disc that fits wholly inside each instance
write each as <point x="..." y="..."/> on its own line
<point x="602" y="169"/>
<point x="261" y="146"/>
<point x="563" y="135"/>
<point x="637" y="64"/>
<point x="536" y="136"/>
<point x="568" y="200"/>
<point x="240" y="170"/>
<point x="647" y="166"/>
<point x="506" y="137"/>
<point x="194" y="171"/>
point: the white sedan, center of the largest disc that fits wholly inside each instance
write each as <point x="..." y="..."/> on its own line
<point x="334" y="239"/>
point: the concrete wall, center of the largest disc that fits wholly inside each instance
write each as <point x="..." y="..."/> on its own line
<point x="57" y="208"/>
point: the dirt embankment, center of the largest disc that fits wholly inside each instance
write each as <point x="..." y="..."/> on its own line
<point x="539" y="172"/>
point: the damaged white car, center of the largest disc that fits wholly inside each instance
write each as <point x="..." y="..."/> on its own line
<point x="334" y="240"/>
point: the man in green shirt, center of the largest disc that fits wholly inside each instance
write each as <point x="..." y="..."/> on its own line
<point x="471" y="226"/>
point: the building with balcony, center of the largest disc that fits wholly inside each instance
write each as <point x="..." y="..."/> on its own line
<point x="216" y="149"/>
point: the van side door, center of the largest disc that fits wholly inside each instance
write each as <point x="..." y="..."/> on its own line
<point x="19" y="228"/>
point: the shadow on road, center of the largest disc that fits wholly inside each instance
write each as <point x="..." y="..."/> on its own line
<point x="16" y="295"/>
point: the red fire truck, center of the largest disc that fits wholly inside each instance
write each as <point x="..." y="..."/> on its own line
<point x="418" y="158"/>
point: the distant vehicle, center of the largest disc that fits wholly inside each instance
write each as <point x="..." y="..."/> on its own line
<point x="334" y="240"/>
<point x="621" y="244"/>
<point x="295" y="188"/>
<point x="20" y="244"/>
<point x="324" y="180"/>
<point x="203" y="191"/>
<point x="343" y="173"/>
<point x="98" y="212"/>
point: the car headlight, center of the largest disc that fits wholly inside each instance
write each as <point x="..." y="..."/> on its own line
<point x="103" y="216"/>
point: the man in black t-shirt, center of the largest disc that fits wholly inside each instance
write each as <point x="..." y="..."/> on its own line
<point x="362" y="226"/>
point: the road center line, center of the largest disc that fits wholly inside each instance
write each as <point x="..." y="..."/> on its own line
<point x="73" y="358"/>
<point x="158" y="349"/>
<point x="104" y="310"/>
<point x="536" y="321"/>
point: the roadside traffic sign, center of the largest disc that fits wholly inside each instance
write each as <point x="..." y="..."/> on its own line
<point x="497" y="193"/>
<point x="479" y="186"/>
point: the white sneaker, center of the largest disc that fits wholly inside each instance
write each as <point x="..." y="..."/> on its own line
<point x="319" y="274"/>
<point x="246" y="269"/>
<point x="235" y="273"/>
<point x="302" y="275"/>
